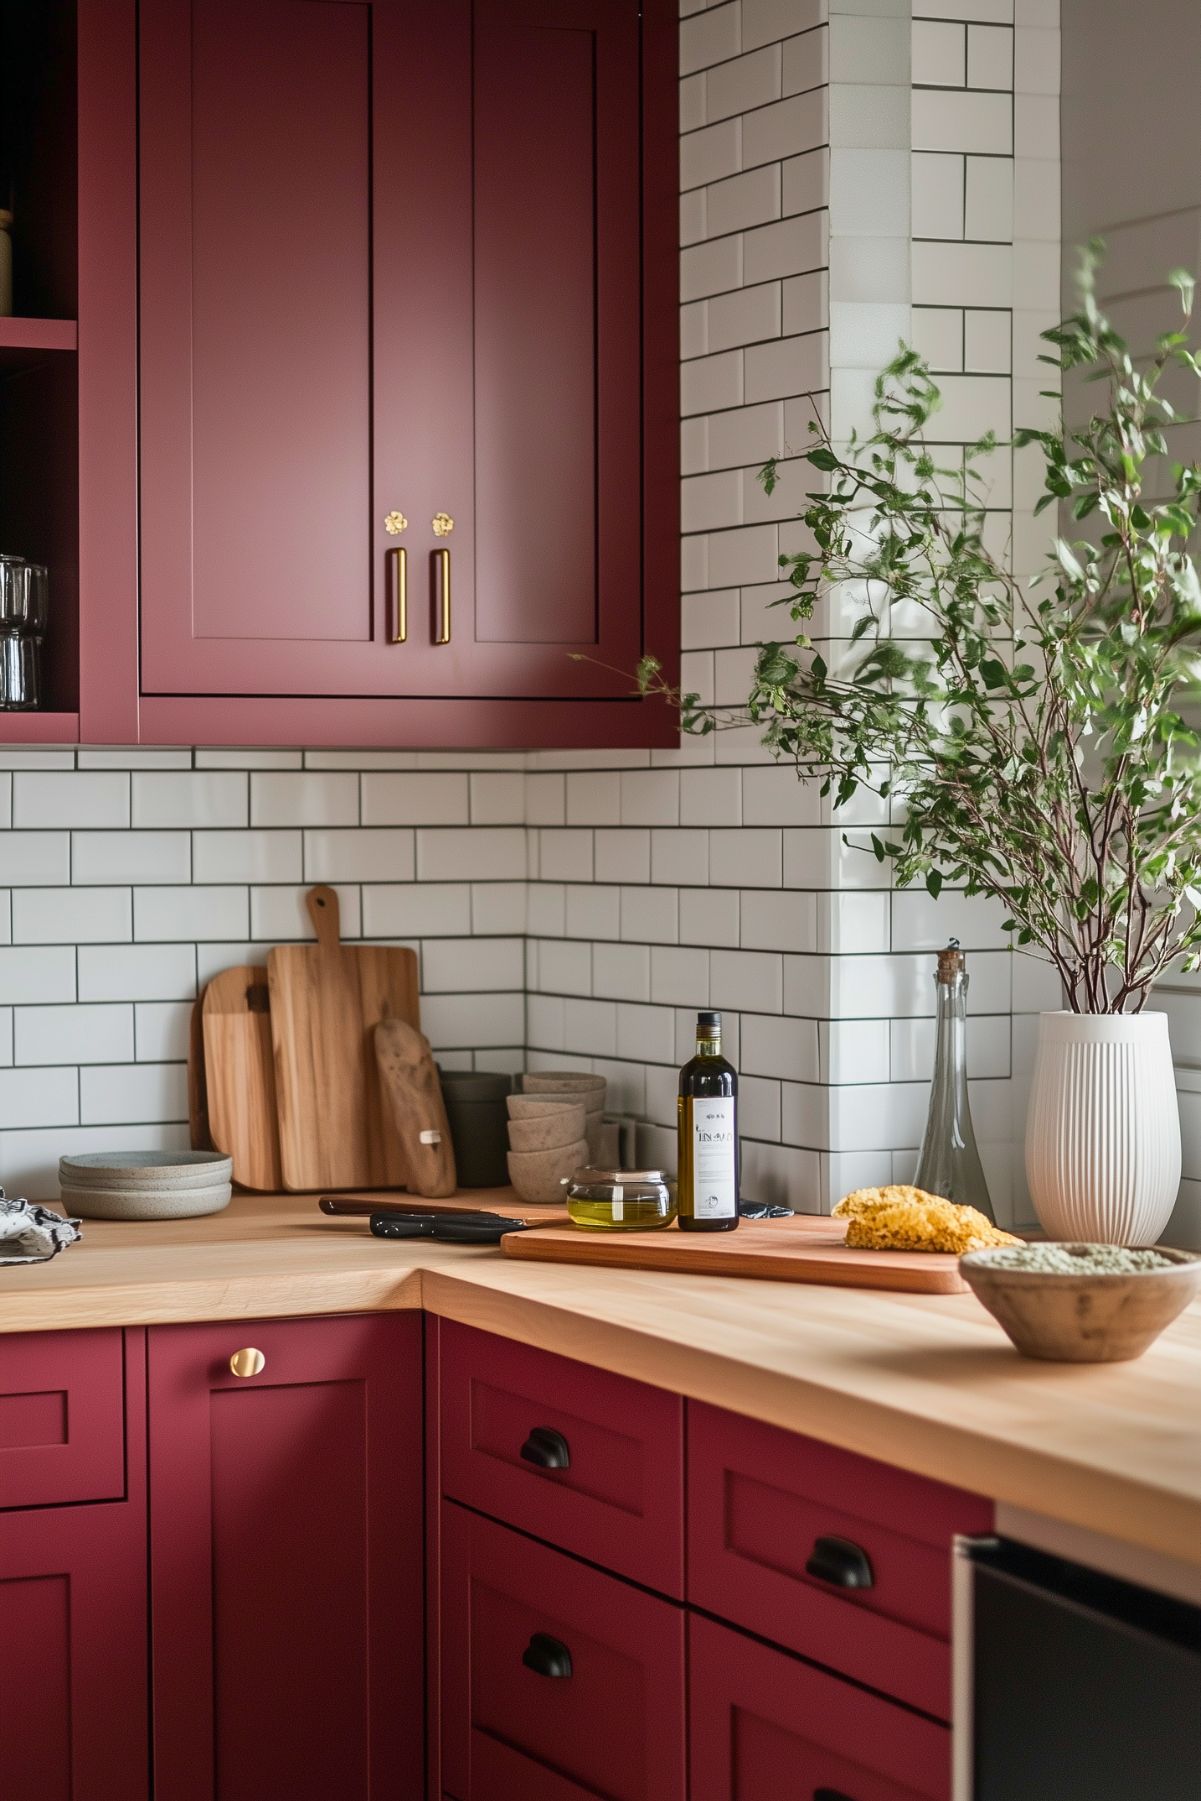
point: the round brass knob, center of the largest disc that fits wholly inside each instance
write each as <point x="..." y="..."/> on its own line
<point x="395" y="523"/>
<point x="442" y="524"/>
<point x="248" y="1362"/>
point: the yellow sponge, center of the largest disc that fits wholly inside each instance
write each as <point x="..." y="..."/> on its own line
<point x="903" y="1218"/>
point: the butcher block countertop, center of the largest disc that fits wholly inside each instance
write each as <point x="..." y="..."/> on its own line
<point x="925" y="1382"/>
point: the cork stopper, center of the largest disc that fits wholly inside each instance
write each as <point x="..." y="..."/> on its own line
<point x="951" y="962"/>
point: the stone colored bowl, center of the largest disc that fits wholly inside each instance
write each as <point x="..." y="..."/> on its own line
<point x="585" y="1087"/>
<point x="144" y="1203"/>
<point x="540" y="1106"/>
<point x="1086" y="1318"/>
<point x="538" y="1175"/>
<point x="548" y="1131"/>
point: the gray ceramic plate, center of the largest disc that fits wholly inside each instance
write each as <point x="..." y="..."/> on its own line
<point x="145" y="1203"/>
<point x="146" y="1169"/>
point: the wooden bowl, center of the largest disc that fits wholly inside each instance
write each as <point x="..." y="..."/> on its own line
<point x="1088" y="1318"/>
<point x="538" y="1175"/>
<point x="548" y="1131"/>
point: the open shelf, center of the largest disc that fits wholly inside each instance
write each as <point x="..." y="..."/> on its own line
<point x="26" y="342"/>
<point x="40" y="727"/>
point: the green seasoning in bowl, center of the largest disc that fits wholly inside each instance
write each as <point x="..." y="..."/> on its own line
<point x="1082" y="1303"/>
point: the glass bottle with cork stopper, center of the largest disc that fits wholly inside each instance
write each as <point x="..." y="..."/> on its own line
<point x="948" y="1163"/>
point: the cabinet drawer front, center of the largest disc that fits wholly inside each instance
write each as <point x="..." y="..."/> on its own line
<point x="618" y="1500"/>
<point x="558" y="1682"/>
<point x="62" y="1418"/>
<point x="766" y="1725"/>
<point x="763" y="1504"/>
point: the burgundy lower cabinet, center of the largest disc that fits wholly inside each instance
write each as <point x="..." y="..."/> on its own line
<point x="286" y="1519"/>
<point x="73" y="1628"/>
<point x="765" y="1726"/>
<point x="73" y="1718"/>
<point x="838" y="1557"/>
<point x="558" y="1682"/>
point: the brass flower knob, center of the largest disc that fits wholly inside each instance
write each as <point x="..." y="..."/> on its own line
<point x="394" y="524"/>
<point x="443" y="524"/>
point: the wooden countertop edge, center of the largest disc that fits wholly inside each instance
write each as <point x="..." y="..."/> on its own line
<point x="1060" y="1488"/>
<point x="926" y="1383"/>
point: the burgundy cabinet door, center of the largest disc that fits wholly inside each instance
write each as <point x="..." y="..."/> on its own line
<point x="509" y="343"/>
<point x="558" y="1682"/>
<point x="286" y="1561"/>
<point x="73" y="1624"/>
<point x="765" y="1725"/>
<point x="396" y="260"/>
<point x="258" y="572"/>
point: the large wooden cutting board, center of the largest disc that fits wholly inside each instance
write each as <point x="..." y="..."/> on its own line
<point x="239" y="1064"/>
<point x="805" y="1248"/>
<point x="326" y="1000"/>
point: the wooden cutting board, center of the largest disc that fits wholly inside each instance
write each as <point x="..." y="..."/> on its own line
<point x="326" y="1000"/>
<point x="805" y="1248"/>
<point x="413" y="1102"/>
<point x="199" y="1136"/>
<point x="239" y="1065"/>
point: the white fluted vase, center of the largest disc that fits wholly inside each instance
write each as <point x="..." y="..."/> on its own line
<point x="1103" y="1129"/>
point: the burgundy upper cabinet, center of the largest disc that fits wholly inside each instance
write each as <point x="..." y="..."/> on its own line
<point x="406" y="261"/>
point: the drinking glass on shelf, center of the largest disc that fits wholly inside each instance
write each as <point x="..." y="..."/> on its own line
<point x="24" y="608"/>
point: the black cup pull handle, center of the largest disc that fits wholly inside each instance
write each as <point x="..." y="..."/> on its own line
<point x="547" y="1656"/>
<point x="843" y="1564"/>
<point x="548" y="1449"/>
<point x="829" y="1794"/>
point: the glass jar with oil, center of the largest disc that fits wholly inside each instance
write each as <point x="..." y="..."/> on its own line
<point x="620" y="1200"/>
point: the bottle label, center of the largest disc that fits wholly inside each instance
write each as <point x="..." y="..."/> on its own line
<point x="715" y="1193"/>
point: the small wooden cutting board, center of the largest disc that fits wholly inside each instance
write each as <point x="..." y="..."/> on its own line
<point x="326" y="1000"/>
<point x="806" y="1248"/>
<point x="239" y="1068"/>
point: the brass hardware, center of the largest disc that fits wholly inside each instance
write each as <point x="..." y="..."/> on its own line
<point x="442" y="559"/>
<point x="394" y="524"/>
<point x="399" y="560"/>
<point x="443" y="525"/>
<point x="248" y="1362"/>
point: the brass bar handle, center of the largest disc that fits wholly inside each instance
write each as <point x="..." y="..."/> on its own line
<point x="249" y="1362"/>
<point x="442" y="565"/>
<point x="399" y="559"/>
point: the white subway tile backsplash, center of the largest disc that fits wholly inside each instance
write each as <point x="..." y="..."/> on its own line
<point x="162" y="856"/>
<point x="767" y="21"/>
<point x="875" y="51"/>
<point x="806" y="60"/>
<point x="45" y="800"/>
<point x="746" y="858"/>
<point x="172" y="915"/>
<point x="680" y="856"/>
<point x="135" y="1092"/>
<point x="679" y="975"/>
<point x="709" y="916"/>
<point x="35" y="859"/>
<point x="135" y="972"/>
<point x="308" y="798"/>
<point x="778" y="919"/>
<point x="72" y="1035"/>
<point x="990" y="57"/>
<point x="744" y="83"/>
<point x="949" y="119"/>
<point x="173" y="799"/>
<point x="937" y="195"/>
<point x="473" y="1022"/>
<point x="414" y="799"/>
<point x="359" y="854"/>
<point x="409" y="910"/>
<point x="746" y="979"/>
<point x="161" y="1031"/>
<point x="939" y="53"/>
<point x="29" y="975"/>
<point x="710" y="37"/>
<point x="248" y="856"/>
<point x="39" y="1097"/>
<point x="592" y="911"/>
<point x="71" y="915"/>
<point x="458" y="965"/>
<point x="622" y="972"/>
<point x="988" y="203"/>
<point x="743" y="200"/>
<point x="651" y="915"/>
<point x="779" y="1046"/>
<point x="480" y="853"/>
<point x="278" y="915"/>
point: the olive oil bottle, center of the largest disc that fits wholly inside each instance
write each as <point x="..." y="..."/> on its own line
<point x="708" y="1131"/>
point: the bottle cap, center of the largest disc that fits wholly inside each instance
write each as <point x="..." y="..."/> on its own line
<point x="709" y="1019"/>
<point x="951" y="962"/>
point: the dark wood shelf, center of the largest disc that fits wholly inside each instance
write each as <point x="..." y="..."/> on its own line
<point x="27" y="342"/>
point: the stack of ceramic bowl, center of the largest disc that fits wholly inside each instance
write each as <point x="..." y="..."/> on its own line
<point x="546" y="1136"/>
<point x="571" y="1085"/>
<point x="145" y="1184"/>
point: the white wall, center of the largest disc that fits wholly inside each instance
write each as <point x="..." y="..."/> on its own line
<point x="1132" y="175"/>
